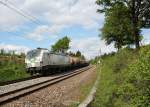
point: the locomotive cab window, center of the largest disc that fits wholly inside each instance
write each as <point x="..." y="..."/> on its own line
<point x="33" y="53"/>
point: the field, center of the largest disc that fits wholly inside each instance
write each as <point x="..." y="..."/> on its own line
<point x="124" y="79"/>
<point x="12" y="67"/>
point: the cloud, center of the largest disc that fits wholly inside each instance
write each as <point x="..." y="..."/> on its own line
<point x="91" y="46"/>
<point x="16" y="48"/>
<point x="79" y="13"/>
<point x="62" y="13"/>
<point x="38" y="33"/>
<point x="41" y="32"/>
<point x="57" y="15"/>
<point x="9" y="20"/>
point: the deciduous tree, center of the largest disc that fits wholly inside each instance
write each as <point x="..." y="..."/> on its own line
<point x="117" y="26"/>
<point x="139" y="13"/>
<point x="62" y="45"/>
<point x="78" y="54"/>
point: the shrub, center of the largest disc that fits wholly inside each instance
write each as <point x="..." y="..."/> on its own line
<point x="124" y="79"/>
<point x="138" y="78"/>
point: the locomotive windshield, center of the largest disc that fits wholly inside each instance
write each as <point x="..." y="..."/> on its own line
<point x="33" y="54"/>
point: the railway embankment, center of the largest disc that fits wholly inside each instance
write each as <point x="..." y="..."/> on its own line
<point x="12" y="67"/>
<point x="124" y="79"/>
<point x="69" y="92"/>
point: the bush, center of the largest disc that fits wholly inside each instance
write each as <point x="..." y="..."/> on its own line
<point x="9" y="70"/>
<point x="124" y="79"/>
<point x="122" y="59"/>
<point x="138" y="77"/>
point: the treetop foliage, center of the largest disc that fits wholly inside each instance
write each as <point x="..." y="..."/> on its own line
<point x="117" y="29"/>
<point x="77" y="54"/>
<point x="62" y="45"/>
<point x="138" y="13"/>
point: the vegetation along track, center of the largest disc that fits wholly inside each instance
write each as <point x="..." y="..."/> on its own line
<point x="12" y="91"/>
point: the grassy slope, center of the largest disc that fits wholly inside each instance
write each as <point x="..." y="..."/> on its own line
<point x="11" y="68"/>
<point x="124" y="80"/>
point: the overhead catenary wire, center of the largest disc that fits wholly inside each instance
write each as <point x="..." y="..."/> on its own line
<point x="18" y="12"/>
<point x="12" y="7"/>
<point x="36" y="20"/>
<point x="26" y="15"/>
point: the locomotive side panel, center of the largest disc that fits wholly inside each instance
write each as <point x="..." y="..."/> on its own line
<point x="45" y="59"/>
<point x="56" y="59"/>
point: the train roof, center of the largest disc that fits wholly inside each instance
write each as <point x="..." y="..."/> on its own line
<point x="42" y="48"/>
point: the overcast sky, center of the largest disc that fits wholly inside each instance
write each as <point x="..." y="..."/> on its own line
<point x="77" y="19"/>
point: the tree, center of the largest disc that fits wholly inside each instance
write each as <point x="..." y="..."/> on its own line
<point x="62" y="45"/>
<point x="139" y="13"/>
<point x="78" y="54"/>
<point x="2" y="51"/>
<point x="117" y="29"/>
<point x="83" y="57"/>
<point x="71" y="53"/>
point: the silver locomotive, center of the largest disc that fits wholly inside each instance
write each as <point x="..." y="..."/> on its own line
<point x="43" y="61"/>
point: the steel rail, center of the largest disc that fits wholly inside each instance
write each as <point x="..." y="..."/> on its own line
<point x="6" y="97"/>
<point x="18" y="80"/>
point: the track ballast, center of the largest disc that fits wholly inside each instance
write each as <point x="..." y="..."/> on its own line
<point x="12" y="91"/>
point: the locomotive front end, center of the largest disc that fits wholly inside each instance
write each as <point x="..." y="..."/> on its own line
<point x="33" y="61"/>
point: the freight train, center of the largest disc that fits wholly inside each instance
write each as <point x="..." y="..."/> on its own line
<point x="42" y="61"/>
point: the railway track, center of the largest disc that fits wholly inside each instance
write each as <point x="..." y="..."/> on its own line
<point x="18" y="80"/>
<point x="12" y="91"/>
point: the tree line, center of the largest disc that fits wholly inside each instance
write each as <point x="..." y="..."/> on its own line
<point x="124" y="20"/>
<point x="3" y="52"/>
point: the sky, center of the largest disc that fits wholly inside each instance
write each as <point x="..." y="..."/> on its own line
<point x="46" y="21"/>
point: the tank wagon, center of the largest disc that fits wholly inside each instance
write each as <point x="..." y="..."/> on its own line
<point x="44" y="62"/>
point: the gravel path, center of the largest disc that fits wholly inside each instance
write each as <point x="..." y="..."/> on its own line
<point x="58" y="95"/>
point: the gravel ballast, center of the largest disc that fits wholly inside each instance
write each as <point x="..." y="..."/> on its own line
<point x="62" y="94"/>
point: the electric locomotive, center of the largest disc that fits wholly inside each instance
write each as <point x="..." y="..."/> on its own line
<point x="42" y="61"/>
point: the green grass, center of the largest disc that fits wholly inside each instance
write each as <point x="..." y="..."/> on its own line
<point x="11" y="70"/>
<point x="86" y="88"/>
<point x="84" y="91"/>
<point x="124" y="79"/>
<point x="106" y="86"/>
